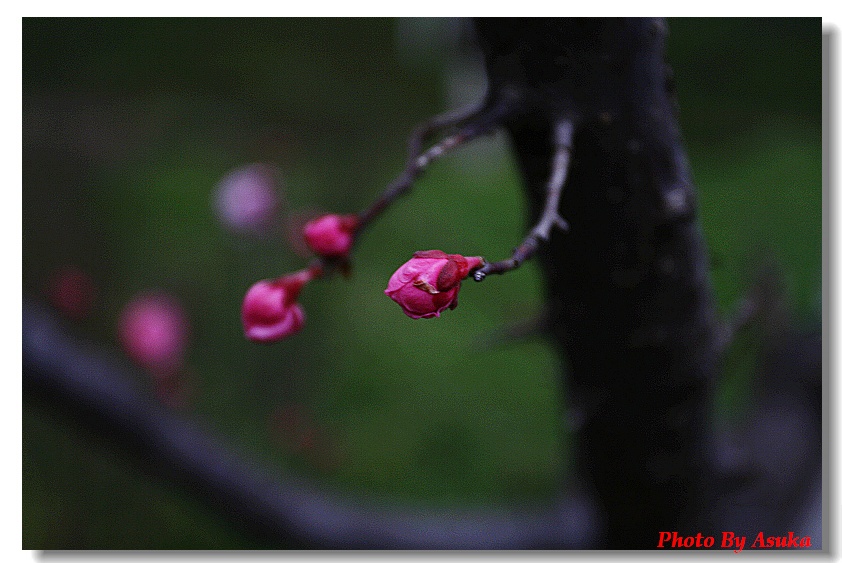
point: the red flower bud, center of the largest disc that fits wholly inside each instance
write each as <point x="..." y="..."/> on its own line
<point x="429" y="283"/>
<point x="72" y="291"/>
<point x="270" y="311"/>
<point x="331" y="235"/>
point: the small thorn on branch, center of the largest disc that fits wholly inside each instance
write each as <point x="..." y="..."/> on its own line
<point x="562" y="224"/>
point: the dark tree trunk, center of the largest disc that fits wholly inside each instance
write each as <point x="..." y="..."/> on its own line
<point x="627" y="287"/>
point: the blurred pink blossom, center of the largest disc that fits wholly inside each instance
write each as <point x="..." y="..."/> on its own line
<point x="175" y="389"/>
<point x="72" y="291"/>
<point x="153" y="330"/>
<point x="246" y="199"/>
<point x="296" y="430"/>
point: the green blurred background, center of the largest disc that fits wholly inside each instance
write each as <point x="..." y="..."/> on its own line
<point x="129" y="124"/>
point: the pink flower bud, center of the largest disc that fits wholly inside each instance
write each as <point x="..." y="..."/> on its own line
<point x="429" y="282"/>
<point x="246" y="201"/>
<point x="153" y="331"/>
<point x="270" y="311"/>
<point x="331" y="235"/>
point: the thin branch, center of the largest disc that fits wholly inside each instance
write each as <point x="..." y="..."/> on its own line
<point x="415" y="143"/>
<point x="518" y="331"/>
<point x="473" y="122"/>
<point x="747" y="311"/>
<point x="550" y="217"/>
<point x="762" y="302"/>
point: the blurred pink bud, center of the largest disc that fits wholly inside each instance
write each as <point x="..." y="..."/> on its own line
<point x="72" y="292"/>
<point x="296" y="430"/>
<point x="175" y="389"/>
<point x="246" y="200"/>
<point x="429" y="282"/>
<point x="292" y="425"/>
<point x="331" y="235"/>
<point x="270" y="311"/>
<point x="153" y="331"/>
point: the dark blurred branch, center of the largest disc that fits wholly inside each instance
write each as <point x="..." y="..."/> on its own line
<point x="282" y="509"/>
<point x="769" y="464"/>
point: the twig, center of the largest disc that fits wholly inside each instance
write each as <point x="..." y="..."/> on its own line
<point x="473" y="122"/>
<point x="415" y="143"/>
<point x="747" y="311"/>
<point x="550" y="217"/>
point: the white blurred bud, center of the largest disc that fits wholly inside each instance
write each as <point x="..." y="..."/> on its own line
<point x="246" y="199"/>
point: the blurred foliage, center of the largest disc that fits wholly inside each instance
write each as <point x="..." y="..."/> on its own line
<point x="130" y="123"/>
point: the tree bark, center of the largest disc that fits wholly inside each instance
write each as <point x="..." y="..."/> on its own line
<point x="627" y="288"/>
